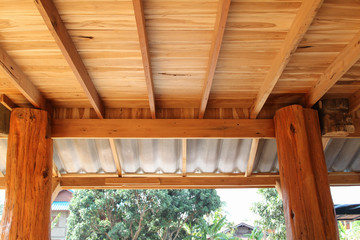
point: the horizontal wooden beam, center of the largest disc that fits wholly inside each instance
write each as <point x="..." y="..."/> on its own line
<point x="163" y="128"/>
<point x="189" y="182"/>
<point x="57" y="28"/>
<point x="18" y="78"/>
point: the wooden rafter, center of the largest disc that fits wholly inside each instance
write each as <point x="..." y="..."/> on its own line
<point x="163" y="128"/>
<point x="184" y="154"/>
<point x="342" y="63"/>
<point x="354" y="102"/>
<point x="140" y="23"/>
<point x="21" y="81"/>
<point x="4" y="100"/>
<point x="300" y="25"/>
<point x="57" y="28"/>
<point x="221" y="18"/>
<point x="251" y="161"/>
<point x="115" y="156"/>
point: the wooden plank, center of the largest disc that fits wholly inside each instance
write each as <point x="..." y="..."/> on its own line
<point x="300" y="25"/>
<point x="56" y="188"/>
<point x="140" y="23"/>
<point x="57" y="28"/>
<point x="21" y="81"/>
<point x="115" y="156"/>
<point x="163" y="128"/>
<point x="28" y="177"/>
<point x="278" y="189"/>
<point x="354" y="101"/>
<point x="184" y="155"/>
<point x="342" y="63"/>
<point x="220" y="23"/>
<point x="308" y="207"/>
<point x="6" y="102"/>
<point x="251" y="161"/>
<point x="325" y="142"/>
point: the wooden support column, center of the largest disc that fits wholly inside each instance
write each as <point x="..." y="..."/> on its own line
<point x="308" y="207"/>
<point x="28" y="177"/>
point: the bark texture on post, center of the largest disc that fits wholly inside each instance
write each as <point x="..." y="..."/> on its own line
<point x="308" y="207"/>
<point x="28" y="177"/>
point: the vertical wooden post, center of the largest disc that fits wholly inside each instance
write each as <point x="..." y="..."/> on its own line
<point x="308" y="207"/>
<point x="28" y="177"/>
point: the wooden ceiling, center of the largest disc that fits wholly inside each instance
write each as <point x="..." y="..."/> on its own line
<point x="179" y="59"/>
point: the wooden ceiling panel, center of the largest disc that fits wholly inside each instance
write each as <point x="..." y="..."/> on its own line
<point x="254" y="34"/>
<point x="333" y="28"/>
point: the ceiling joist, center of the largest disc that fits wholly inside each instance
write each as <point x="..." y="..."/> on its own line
<point x="57" y="28"/>
<point x="220" y="23"/>
<point x="342" y="63"/>
<point x="115" y="156"/>
<point x="300" y="25"/>
<point x="252" y="155"/>
<point x="140" y="23"/>
<point x="21" y="81"/>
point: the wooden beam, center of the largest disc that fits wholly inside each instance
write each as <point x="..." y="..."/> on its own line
<point x="220" y="23"/>
<point x="140" y="23"/>
<point x="6" y="102"/>
<point x="278" y="189"/>
<point x="28" y="177"/>
<point x="87" y="181"/>
<point x="21" y="81"/>
<point x="251" y="161"/>
<point x="300" y="25"/>
<point x="115" y="156"/>
<point x="56" y="188"/>
<point x="163" y="128"/>
<point x="57" y="28"/>
<point x="342" y="63"/>
<point x="325" y="142"/>
<point x="184" y="155"/>
<point x="308" y="207"/>
<point x="4" y="120"/>
<point x="354" y="102"/>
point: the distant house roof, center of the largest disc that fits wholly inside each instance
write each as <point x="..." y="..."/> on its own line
<point x="242" y="224"/>
<point x="60" y="206"/>
<point x="347" y="212"/>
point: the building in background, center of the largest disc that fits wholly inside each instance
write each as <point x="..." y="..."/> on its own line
<point x="60" y="206"/>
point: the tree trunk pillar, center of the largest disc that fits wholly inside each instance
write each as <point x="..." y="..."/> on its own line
<point x="308" y="207"/>
<point x="28" y="177"/>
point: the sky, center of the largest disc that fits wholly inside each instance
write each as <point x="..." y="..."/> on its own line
<point x="238" y="202"/>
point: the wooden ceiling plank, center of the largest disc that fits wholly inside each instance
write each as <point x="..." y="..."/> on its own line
<point x="21" y="81"/>
<point x="221" y="18"/>
<point x="354" y="102"/>
<point x="6" y="102"/>
<point x="115" y="156"/>
<point x="57" y="28"/>
<point x="251" y="161"/>
<point x="300" y="25"/>
<point x="184" y="154"/>
<point x="342" y="63"/>
<point x="162" y="128"/>
<point x="140" y="23"/>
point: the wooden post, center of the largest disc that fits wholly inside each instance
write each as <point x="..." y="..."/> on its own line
<point x="308" y="207"/>
<point x="28" y="177"/>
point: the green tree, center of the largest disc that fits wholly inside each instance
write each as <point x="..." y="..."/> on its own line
<point x="270" y="210"/>
<point x="210" y="227"/>
<point x="137" y="214"/>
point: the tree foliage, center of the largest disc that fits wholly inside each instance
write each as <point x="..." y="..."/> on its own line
<point x="270" y="210"/>
<point x="137" y="214"/>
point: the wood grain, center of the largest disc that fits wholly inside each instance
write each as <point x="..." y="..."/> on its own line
<point x="220" y="23"/>
<point x="162" y="128"/>
<point x="308" y="207"/>
<point x="28" y="177"/>
<point x="300" y="25"/>
<point x="252" y="155"/>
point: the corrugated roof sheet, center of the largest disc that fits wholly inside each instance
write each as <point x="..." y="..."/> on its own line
<point x="60" y="206"/>
<point x="141" y="156"/>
